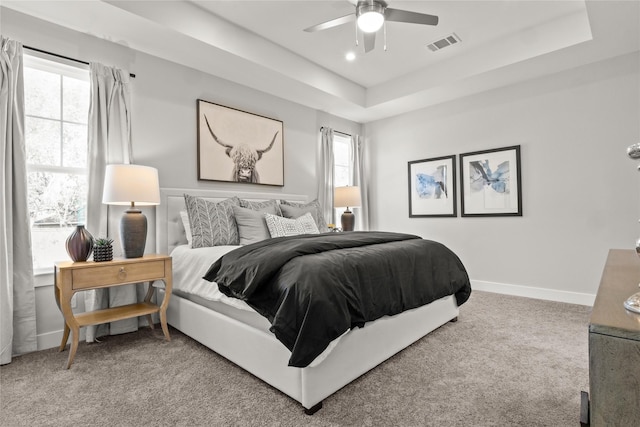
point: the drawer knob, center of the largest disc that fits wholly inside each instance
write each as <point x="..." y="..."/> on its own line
<point x="122" y="273"/>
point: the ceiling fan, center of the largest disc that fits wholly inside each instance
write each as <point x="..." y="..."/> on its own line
<point x="370" y="16"/>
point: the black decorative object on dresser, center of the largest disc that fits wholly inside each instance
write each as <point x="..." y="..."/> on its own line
<point x="79" y="244"/>
<point x="102" y="249"/>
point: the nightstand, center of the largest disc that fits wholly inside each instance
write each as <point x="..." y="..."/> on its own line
<point x="71" y="277"/>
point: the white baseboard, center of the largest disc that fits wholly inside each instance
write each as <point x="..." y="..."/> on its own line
<point x="52" y="339"/>
<point x="537" y="293"/>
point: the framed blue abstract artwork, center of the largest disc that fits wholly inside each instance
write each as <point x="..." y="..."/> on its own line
<point x="490" y="182"/>
<point x="432" y="187"/>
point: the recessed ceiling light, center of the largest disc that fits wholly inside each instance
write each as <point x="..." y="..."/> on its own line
<point x="350" y="56"/>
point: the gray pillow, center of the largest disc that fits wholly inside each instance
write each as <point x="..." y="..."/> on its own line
<point x="296" y="210"/>
<point x="259" y="206"/>
<point x="252" y="226"/>
<point x="212" y="223"/>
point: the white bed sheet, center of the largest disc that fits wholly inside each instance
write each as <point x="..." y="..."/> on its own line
<point x="190" y="264"/>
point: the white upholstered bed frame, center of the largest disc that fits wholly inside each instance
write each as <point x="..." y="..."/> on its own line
<point x="260" y="353"/>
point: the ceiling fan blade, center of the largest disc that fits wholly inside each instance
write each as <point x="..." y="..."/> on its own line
<point x="397" y="15"/>
<point x="332" y="23"/>
<point x="369" y="42"/>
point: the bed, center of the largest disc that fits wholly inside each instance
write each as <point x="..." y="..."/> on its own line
<point x="236" y="334"/>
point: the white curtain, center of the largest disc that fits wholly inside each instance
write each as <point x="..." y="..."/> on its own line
<point x="360" y="178"/>
<point x="325" y="177"/>
<point x="17" y="293"/>
<point x="109" y="142"/>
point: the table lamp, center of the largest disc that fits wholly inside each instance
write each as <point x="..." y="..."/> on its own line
<point x="131" y="185"/>
<point x="347" y="197"/>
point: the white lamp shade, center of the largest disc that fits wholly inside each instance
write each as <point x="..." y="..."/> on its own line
<point x="347" y="197"/>
<point x="127" y="184"/>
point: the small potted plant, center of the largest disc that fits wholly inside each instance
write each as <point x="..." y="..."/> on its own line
<point x="102" y="249"/>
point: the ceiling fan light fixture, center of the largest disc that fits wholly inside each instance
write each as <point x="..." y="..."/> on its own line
<point x="370" y="17"/>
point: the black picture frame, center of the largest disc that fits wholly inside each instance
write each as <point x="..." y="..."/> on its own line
<point x="491" y="182"/>
<point x="238" y="146"/>
<point x="432" y="187"/>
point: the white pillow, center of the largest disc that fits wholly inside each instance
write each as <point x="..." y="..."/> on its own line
<point x="280" y="227"/>
<point x="187" y="227"/>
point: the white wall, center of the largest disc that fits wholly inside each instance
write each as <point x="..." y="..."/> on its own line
<point x="164" y="121"/>
<point x="580" y="190"/>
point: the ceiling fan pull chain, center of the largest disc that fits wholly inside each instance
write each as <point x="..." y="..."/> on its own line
<point x="356" y="32"/>
<point x="384" y="29"/>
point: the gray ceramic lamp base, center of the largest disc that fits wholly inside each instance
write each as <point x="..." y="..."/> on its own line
<point x="348" y="220"/>
<point x="133" y="233"/>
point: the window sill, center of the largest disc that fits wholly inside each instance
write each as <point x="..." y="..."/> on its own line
<point x="43" y="278"/>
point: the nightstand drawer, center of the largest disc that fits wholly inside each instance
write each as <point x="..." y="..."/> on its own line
<point x="115" y="274"/>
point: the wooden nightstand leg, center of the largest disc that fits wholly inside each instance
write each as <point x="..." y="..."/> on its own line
<point x="74" y="345"/>
<point x="150" y="321"/>
<point x="147" y="298"/>
<point x="163" y="322"/>
<point x="150" y="291"/>
<point x="65" y="337"/>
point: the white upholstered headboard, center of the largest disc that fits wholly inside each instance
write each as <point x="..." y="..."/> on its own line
<point x="169" y="229"/>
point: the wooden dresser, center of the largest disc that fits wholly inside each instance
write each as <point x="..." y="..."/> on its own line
<point x="614" y="345"/>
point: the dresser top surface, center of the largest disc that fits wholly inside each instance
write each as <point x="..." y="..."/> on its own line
<point x="620" y="280"/>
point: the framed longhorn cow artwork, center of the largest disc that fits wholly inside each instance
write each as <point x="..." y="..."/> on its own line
<point x="237" y="146"/>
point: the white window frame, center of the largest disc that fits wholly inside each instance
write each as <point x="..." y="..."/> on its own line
<point x="66" y="68"/>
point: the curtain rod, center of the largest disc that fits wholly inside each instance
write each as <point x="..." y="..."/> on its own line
<point x="337" y="131"/>
<point x="64" y="57"/>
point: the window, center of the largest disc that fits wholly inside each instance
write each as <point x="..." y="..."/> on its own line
<point x="343" y="164"/>
<point x="56" y="116"/>
<point x="342" y="160"/>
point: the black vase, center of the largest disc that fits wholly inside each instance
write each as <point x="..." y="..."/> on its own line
<point x="79" y="244"/>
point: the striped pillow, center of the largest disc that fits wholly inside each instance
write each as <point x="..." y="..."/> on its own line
<point x="212" y="223"/>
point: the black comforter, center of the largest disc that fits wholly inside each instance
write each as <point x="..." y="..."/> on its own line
<point x="313" y="288"/>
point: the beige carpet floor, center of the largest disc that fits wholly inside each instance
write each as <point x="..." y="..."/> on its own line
<point x="508" y="361"/>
